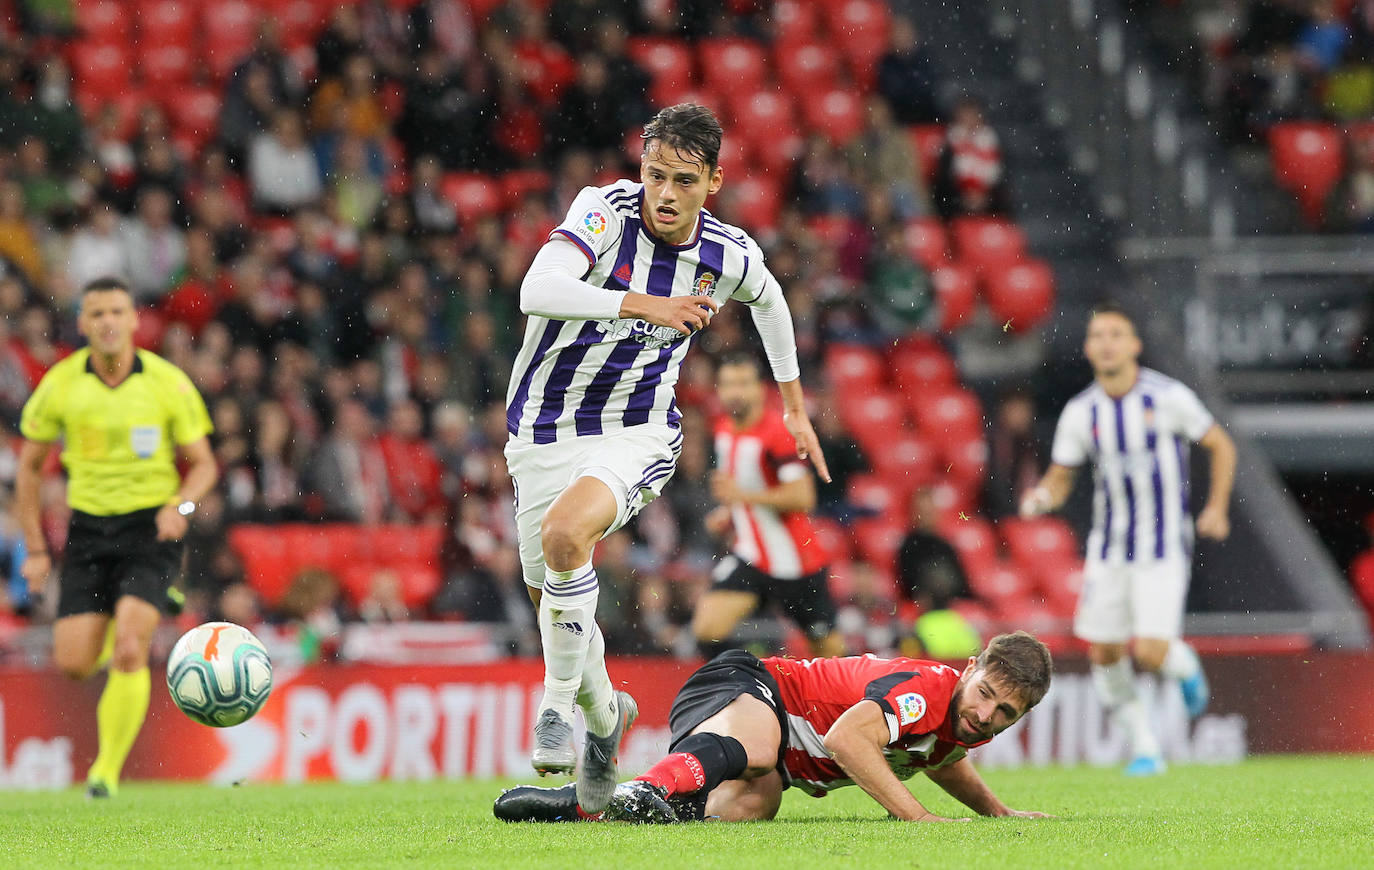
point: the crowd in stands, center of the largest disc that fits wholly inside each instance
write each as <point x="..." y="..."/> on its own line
<point x="328" y="230"/>
<point x="1275" y="71"/>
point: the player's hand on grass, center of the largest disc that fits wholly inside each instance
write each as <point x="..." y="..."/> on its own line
<point x="808" y="445"/>
<point x="1213" y="523"/>
<point x="686" y="314"/>
<point x="1028" y="814"/>
<point x="171" y="525"/>
<point x="36" y="568"/>
<point x="931" y="817"/>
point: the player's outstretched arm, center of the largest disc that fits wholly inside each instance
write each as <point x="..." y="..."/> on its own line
<point x="1214" y="520"/>
<point x="37" y="562"/>
<point x="795" y="418"/>
<point x="962" y="782"/>
<point x="1050" y="493"/>
<point x="856" y="742"/>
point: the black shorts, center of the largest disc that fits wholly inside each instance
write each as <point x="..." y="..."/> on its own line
<point x="805" y="600"/>
<point x="110" y="557"/>
<point x="717" y="683"/>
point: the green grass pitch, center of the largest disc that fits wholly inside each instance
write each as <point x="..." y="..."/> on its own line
<point x="1279" y="811"/>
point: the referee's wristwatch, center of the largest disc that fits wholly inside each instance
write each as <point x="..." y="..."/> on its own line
<point x="186" y="508"/>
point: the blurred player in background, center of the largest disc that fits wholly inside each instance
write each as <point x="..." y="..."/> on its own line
<point x="633" y="271"/>
<point x="744" y="729"/>
<point x="1135" y="425"/>
<point x="124" y="417"/>
<point x="765" y="493"/>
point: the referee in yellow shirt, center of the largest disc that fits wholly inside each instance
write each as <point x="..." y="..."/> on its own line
<point x="122" y="415"/>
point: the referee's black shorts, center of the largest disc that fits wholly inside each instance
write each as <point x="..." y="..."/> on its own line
<point x="110" y="557"/>
<point x="715" y="685"/>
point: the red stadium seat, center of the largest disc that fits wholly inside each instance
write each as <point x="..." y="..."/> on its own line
<point x="909" y="461"/>
<point x="927" y="140"/>
<point x="474" y="195"/>
<point x="943" y="414"/>
<point x="999" y="582"/>
<point x="1020" y="295"/>
<point x="267" y="563"/>
<point x="837" y="114"/>
<point x="231" y="27"/>
<point x="730" y="65"/>
<point x="966" y="458"/>
<point x="101" y="69"/>
<point x="766" y="121"/>
<point x="927" y="242"/>
<point x="166" y="22"/>
<point x="807" y="69"/>
<point x="953" y="498"/>
<point x="833" y="538"/>
<point x="922" y="366"/>
<point x="854" y="368"/>
<point x="418" y="583"/>
<point x="832" y="230"/>
<point x="519" y="183"/>
<point x="103" y="21"/>
<point x="300" y="20"/>
<point x="860" y="27"/>
<point x="1362" y="577"/>
<point x="165" y="65"/>
<point x="1059" y="580"/>
<point x="1029" y="541"/>
<point x="794" y="23"/>
<point x="877" y="542"/>
<point x="1309" y="160"/>
<point x="974" y="541"/>
<point x="875" y="419"/>
<point x="956" y="289"/>
<point x="986" y="242"/>
<point x="877" y="493"/>
<point x="756" y="201"/>
<point x="667" y="61"/>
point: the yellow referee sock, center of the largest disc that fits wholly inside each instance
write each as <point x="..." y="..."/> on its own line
<point x="106" y="649"/>
<point x="120" y="713"/>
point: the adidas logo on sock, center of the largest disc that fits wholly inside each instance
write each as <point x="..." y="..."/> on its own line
<point x="572" y="627"/>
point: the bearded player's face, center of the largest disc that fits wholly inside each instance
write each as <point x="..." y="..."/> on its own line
<point x="984" y="706"/>
<point x="675" y="189"/>
<point x="740" y="390"/>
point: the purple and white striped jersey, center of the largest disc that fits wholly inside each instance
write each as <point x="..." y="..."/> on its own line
<point x="589" y="377"/>
<point x="1139" y="446"/>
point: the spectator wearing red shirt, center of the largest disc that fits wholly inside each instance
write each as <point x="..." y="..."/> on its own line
<point x="413" y="471"/>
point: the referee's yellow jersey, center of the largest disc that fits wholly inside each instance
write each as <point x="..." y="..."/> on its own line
<point x="119" y="443"/>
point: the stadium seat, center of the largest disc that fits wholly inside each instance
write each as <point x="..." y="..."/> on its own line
<point x="1020" y="295"/>
<point x="519" y="183"/>
<point x="1059" y="580"/>
<point x="927" y="242"/>
<point x="806" y="69"/>
<point x="474" y="195"/>
<point x="909" y="460"/>
<point x="794" y="23"/>
<point x="1030" y="540"/>
<point x="418" y="583"/>
<point x="757" y="200"/>
<point x="1362" y="577"/>
<point x="974" y="540"/>
<point x="833" y="537"/>
<point x="985" y="242"/>
<point x="927" y="140"/>
<point x="943" y="414"/>
<point x="999" y="582"/>
<point x="877" y="541"/>
<point x="854" y="368"/>
<point x="667" y="61"/>
<point x="1309" y="160"/>
<point x="166" y="22"/>
<point x="956" y="289"/>
<point x="267" y="563"/>
<point x="100" y="69"/>
<point x="103" y="21"/>
<point x="766" y="121"/>
<point x="876" y="419"/>
<point x="165" y="65"/>
<point x="966" y="458"/>
<point x="877" y="493"/>
<point x="730" y="65"/>
<point x="234" y="25"/>
<point x="860" y="28"/>
<point x="300" y="21"/>
<point x="832" y="230"/>
<point x="954" y="499"/>
<point x="837" y="114"/>
<point x="922" y="366"/>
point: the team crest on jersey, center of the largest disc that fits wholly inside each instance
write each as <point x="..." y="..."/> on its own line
<point x="594" y="222"/>
<point x="706" y="285"/>
<point x="910" y="708"/>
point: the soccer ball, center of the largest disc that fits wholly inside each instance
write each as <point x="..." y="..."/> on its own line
<point x="219" y="674"/>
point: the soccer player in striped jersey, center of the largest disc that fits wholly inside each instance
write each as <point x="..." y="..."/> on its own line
<point x="744" y="729"/>
<point x="765" y="492"/>
<point x="1135" y="425"/>
<point x="613" y="299"/>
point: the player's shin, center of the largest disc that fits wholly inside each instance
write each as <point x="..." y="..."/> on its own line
<point x="567" y="613"/>
<point x="701" y="762"/>
<point x="596" y="696"/>
<point x="1115" y="684"/>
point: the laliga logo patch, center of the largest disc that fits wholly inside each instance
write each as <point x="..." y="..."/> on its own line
<point x="594" y="222"/>
<point x="910" y="708"/>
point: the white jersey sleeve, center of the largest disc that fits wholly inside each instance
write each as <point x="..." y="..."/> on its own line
<point x="1186" y="413"/>
<point x="771" y="315"/>
<point x="1072" y="436"/>
<point x="591" y="224"/>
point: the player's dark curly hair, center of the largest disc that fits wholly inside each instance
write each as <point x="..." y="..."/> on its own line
<point x="690" y="129"/>
<point x="1020" y="661"/>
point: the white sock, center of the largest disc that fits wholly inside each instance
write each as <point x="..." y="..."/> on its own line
<point x="596" y="697"/>
<point x="1115" y="684"/>
<point x="567" y="621"/>
<point x="1180" y="662"/>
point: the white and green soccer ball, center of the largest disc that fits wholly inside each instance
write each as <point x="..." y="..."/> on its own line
<point x="219" y="674"/>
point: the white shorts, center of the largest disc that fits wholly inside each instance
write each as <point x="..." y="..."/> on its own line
<point x="636" y="463"/>
<point x="1120" y="601"/>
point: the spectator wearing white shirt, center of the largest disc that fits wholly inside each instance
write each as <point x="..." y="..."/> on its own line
<point x="97" y="250"/>
<point x="154" y="247"/>
<point x="281" y="167"/>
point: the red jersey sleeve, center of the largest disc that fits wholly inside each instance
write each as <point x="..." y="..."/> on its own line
<point x="914" y="701"/>
<point x="781" y="449"/>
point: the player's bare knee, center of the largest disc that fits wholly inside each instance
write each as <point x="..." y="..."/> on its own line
<point x="564" y="547"/>
<point x="1106" y="653"/>
<point x="1150" y="658"/>
<point x="130" y="653"/>
<point x="75" y="670"/>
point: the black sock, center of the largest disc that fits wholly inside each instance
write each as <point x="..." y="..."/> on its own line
<point x="721" y="758"/>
